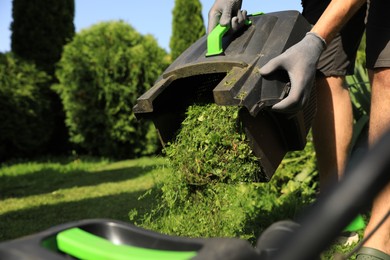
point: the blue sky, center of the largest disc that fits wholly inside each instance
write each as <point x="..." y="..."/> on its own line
<point x="146" y="16"/>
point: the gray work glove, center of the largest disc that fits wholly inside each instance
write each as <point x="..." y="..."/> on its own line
<point x="300" y="62"/>
<point x="227" y="12"/>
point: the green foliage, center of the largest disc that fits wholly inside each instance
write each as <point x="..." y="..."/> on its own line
<point x="37" y="195"/>
<point x="187" y="25"/>
<point x="24" y="128"/>
<point x="212" y="191"/>
<point x="360" y="92"/>
<point x="359" y="85"/>
<point x="361" y="53"/>
<point x="40" y="29"/>
<point x="102" y="72"/>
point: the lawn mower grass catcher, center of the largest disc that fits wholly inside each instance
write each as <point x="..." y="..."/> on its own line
<point x="223" y="67"/>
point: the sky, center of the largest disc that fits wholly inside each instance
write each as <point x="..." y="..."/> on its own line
<point x="146" y="16"/>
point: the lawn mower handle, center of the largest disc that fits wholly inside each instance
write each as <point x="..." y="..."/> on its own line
<point x="332" y="212"/>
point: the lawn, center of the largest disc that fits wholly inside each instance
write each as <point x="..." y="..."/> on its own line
<point x="37" y="195"/>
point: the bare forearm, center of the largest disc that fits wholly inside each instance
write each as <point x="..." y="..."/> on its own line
<point x="335" y="16"/>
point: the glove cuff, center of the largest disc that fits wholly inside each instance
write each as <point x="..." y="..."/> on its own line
<point x="322" y="40"/>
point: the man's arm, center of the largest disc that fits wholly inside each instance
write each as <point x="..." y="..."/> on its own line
<point x="335" y="17"/>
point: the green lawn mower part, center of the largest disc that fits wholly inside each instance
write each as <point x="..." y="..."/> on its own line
<point x="233" y="79"/>
<point x="84" y="245"/>
<point x="214" y="40"/>
<point x="98" y="239"/>
<point x="357" y="224"/>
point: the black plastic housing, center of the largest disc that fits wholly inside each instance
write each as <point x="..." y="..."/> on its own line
<point x="43" y="245"/>
<point x="233" y="79"/>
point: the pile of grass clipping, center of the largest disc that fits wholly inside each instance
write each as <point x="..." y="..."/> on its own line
<point x="209" y="192"/>
<point x="212" y="188"/>
<point x="211" y="147"/>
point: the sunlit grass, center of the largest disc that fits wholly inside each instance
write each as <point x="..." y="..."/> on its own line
<point x="37" y="195"/>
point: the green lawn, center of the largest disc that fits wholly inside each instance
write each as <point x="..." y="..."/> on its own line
<point x="37" y="195"/>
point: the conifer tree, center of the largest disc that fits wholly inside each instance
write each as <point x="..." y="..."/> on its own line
<point x="187" y="25"/>
<point x="40" y="29"/>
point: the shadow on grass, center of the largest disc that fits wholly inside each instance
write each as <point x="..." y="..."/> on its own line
<point x="32" y="220"/>
<point x="48" y="180"/>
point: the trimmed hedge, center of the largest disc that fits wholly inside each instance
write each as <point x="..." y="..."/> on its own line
<point x="102" y="72"/>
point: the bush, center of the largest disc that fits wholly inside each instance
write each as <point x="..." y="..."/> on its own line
<point x="24" y="128"/>
<point x="102" y="72"/>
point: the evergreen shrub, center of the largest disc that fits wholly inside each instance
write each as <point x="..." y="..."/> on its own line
<point x="187" y="25"/>
<point x="24" y="128"/>
<point x="102" y="72"/>
<point x="40" y="29"/>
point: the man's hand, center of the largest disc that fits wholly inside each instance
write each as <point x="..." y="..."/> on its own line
<point x="226" y="12"/>
<point x="300" y="62"/>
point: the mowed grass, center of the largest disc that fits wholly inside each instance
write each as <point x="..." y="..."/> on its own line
<point x="37" y="195"/>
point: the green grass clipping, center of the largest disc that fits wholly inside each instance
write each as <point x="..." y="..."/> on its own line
<point x="212" y="147"/>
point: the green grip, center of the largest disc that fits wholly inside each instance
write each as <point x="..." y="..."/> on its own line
<point x="84" y="245"/>
<point x="214" y="39"/>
